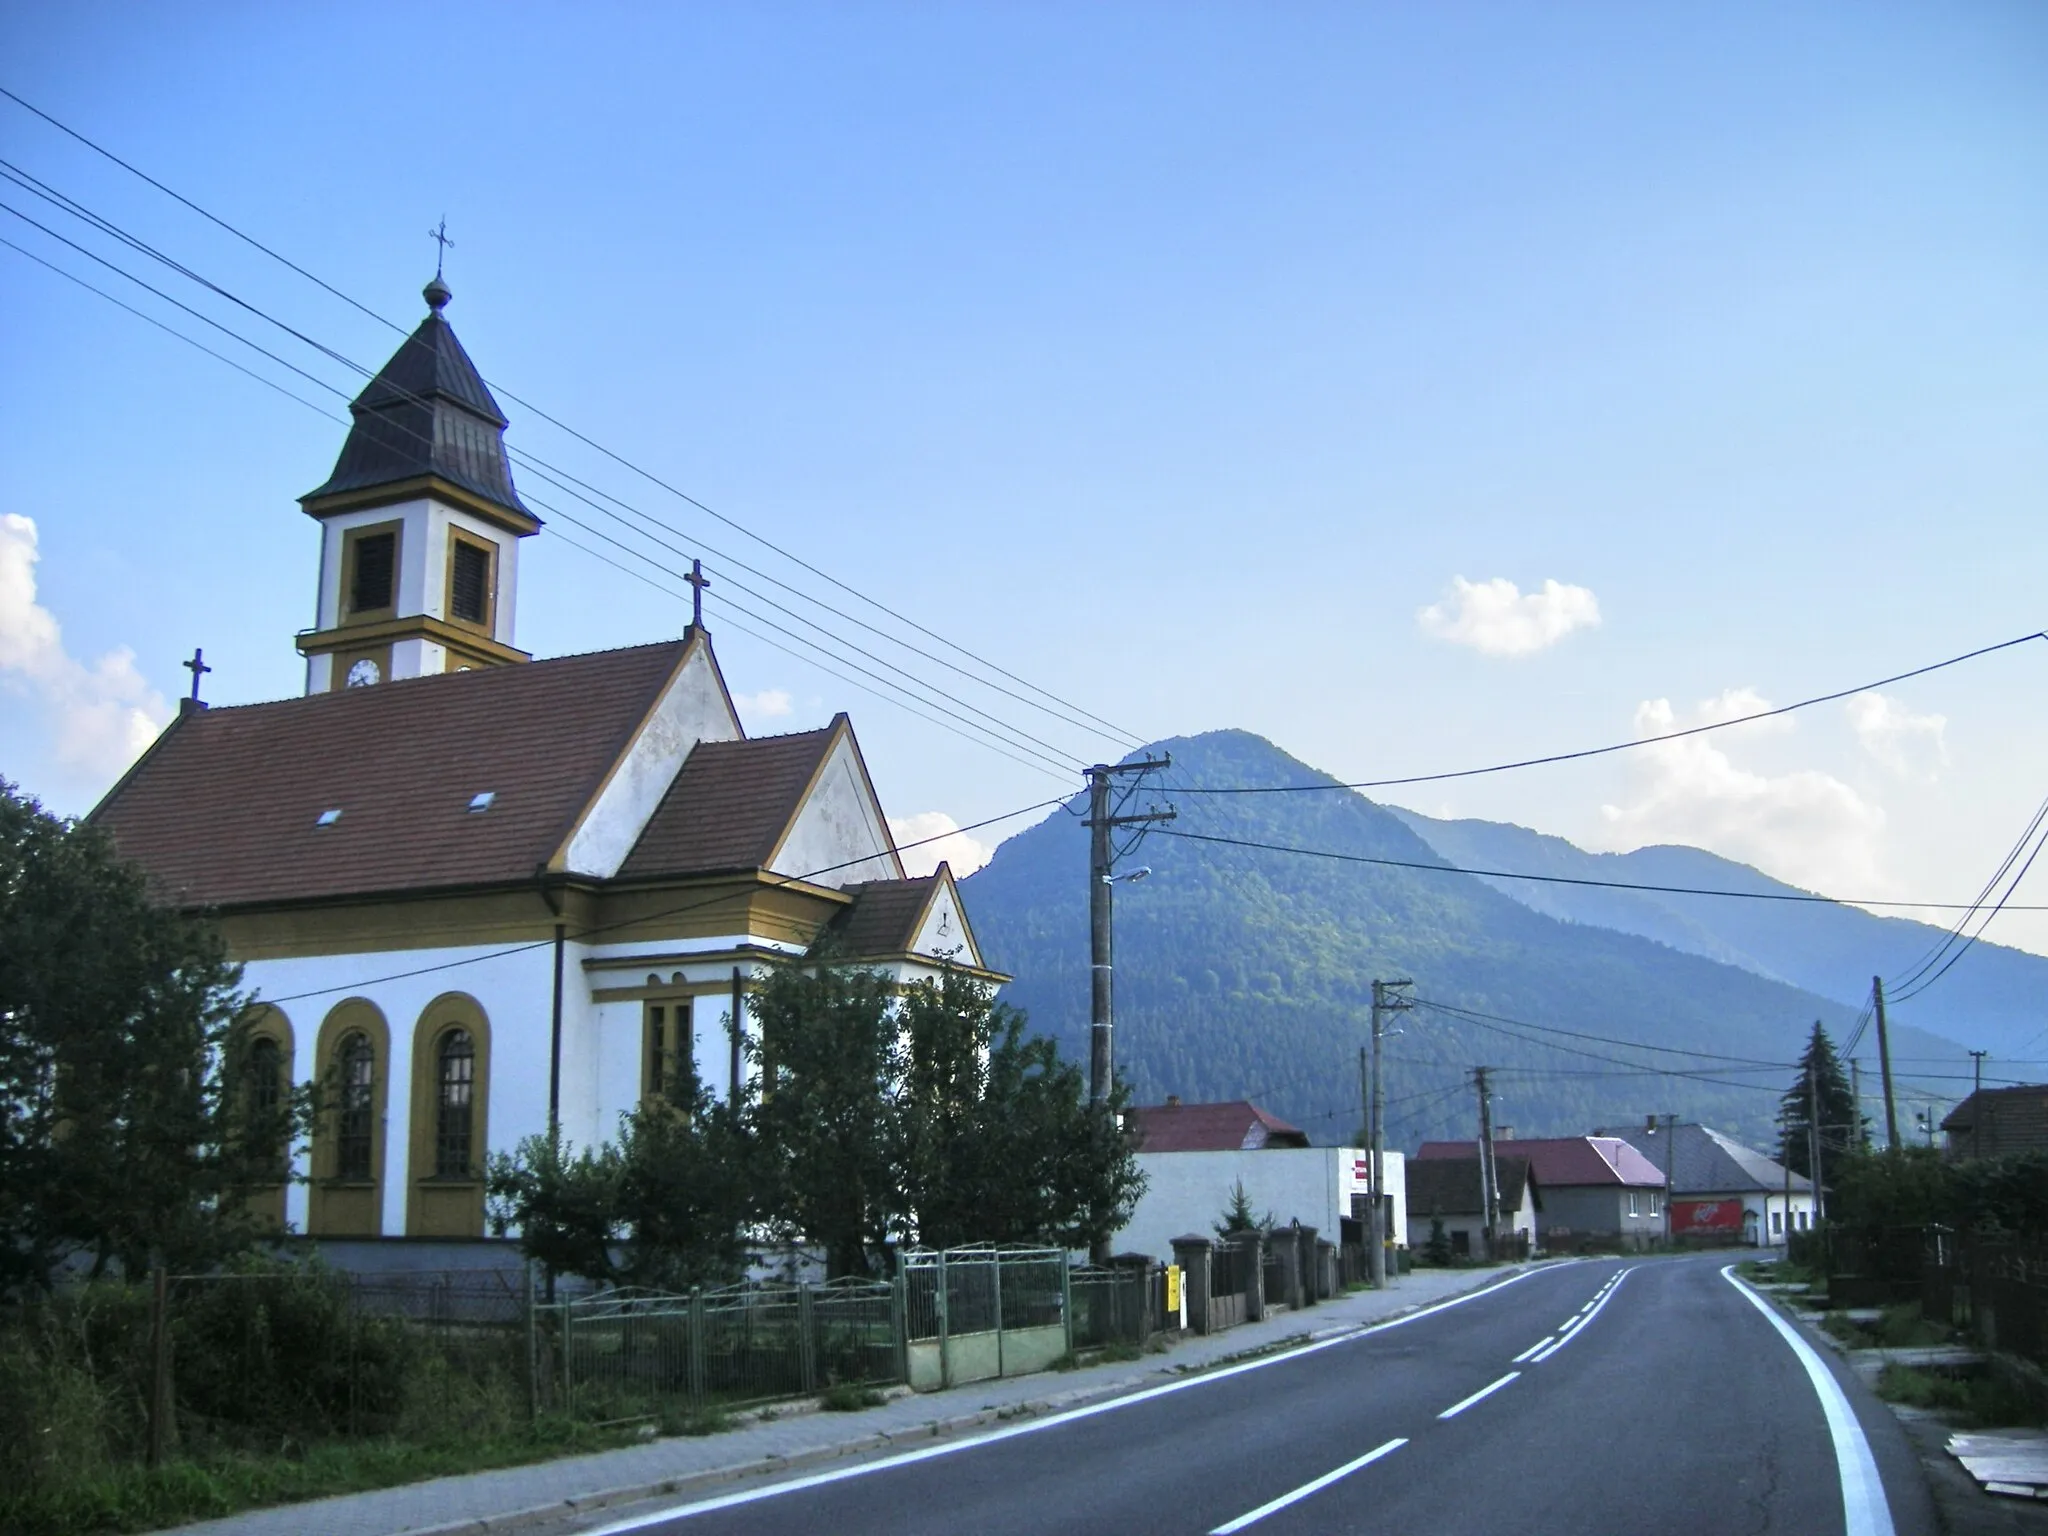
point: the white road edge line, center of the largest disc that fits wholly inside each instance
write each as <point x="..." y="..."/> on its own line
<point x="1525" y="1354"/>
<point x="1484" y="1392"/>
<point x="1573" y="1332"/>
<point x="1306" y="1489"/>
<point x="1865" y="1511"/>
<point x="1051" y="1421"/>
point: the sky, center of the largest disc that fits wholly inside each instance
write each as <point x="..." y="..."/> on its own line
<point x="1419" y="387"/>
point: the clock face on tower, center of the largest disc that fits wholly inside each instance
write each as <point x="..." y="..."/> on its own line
<point x="364" y="673"/>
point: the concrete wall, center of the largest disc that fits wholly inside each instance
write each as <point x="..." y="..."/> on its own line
<point x="1601" y="1210"/>
<point x="1190" y="1191"/>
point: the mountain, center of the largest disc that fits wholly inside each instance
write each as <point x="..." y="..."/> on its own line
<point x="1244" y="973"/>
<point x="1994" y="997"/>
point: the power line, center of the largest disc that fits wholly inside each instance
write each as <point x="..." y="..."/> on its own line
<point x="1115" y="731"/>
<point x="1619" y="746"/>
<point x="1900" y="991"/>
<point x="1612" y="885"/>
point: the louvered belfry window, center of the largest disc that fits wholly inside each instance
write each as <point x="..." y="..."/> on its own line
<point x="358" y="1108"/>
<point x="469" y="596"/>
<point x="455" y="1103"/>
<point x="376" y="566"/>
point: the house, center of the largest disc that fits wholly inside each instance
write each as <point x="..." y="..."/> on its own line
<point x="1451" y="1190"/>
<point x="1722" y="1191"/>
<point x="477" y="894"/>
<point x="1597" y="1190"/>
<point x="1194" y="1157"/>
<point x="1998" y="1122"/>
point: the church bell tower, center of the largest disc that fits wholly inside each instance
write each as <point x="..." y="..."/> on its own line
<point x="419" y="524"/>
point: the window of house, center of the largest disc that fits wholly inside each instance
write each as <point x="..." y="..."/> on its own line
<point x="1632" y="1198"/>
<point x="1777" y="1222"/>
<point x="454" y="1104"/>
<point x="1654" y="1206"/>
<point x="1461" y="1243"/>
<point x="358" y="1063"/>
<point x="469" y="583"/>
<point x="670" y="1051"/>
<point x="373" y="574"/>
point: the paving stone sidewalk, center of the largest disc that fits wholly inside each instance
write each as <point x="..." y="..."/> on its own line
<point x="799" y="1435"/>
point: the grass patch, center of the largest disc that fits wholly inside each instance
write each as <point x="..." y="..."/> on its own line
<point x="1976" y="1402"/>
<point x="711" y="1419"/>
<point x="139" y="1498"/>
<point x="1897" y="1327"/>
<point x="849" y="1397"/>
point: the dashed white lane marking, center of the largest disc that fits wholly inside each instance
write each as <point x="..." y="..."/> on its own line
<point x="1306" y="1489"/>
<point x="1865" y="1511"/>
<point x="1580" y="1327"/>
<point x="1539" y="1344"/>
<point x="1484" y="1392"/>
<point x="1050" y="1421"/>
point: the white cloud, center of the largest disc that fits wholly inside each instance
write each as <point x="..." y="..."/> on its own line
<point x="966" y="854"/>
<point x="1496" y="618"/>
<point x="1804" y="826"/>
<point x="1912" y="746"/>
<point x="103" y="713"/>
<point x="768" y="704"/>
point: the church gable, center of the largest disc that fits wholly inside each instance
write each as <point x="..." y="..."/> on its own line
<point x="694" y="708"/>
<point x="943" y="934"/>
<point x="838" y="836"/>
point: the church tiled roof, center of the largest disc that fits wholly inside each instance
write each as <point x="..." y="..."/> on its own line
<point x="728" y="807"/>
<point x="884" y="916"/>
<point x="428" y="412"/>
<point x="225" y="809"/>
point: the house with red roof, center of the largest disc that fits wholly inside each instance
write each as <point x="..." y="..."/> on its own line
<point x="1597" y="1190"/>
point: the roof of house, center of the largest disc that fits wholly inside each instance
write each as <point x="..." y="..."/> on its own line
<point x="427" y="412"/>
<point x="2011" y="1104"/>
<point x="1709" y="1163"/>
<point x="1236" y="1126"/>
<point x="730" y="804"/>
<point x="1449" y="1186"/>
<point x="225" y="808"/>
<point x="884" y="917"/>
<point x="1563" y="1161"/>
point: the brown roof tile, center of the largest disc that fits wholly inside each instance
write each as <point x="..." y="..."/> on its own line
<point x="1561" y="1161"/>
<point x="1449" y="1186"/>
<point x="224" y="809"/>
<point x="883" y="918"/>
<point x="1235" y="1126"/>
<point x="728" y="807"/>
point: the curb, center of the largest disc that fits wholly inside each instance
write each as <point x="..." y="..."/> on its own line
<point x="884" y="1440"/>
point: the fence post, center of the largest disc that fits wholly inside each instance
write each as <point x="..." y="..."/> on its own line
<point x="568" y="1359"/>
<point x="997" y="1262"/>
<point x="807" y="1336"/>
<point x="1067" y="1297"/>
<point x="899" y="1319"/>
<point x="945" y="1347"/>
<point x="696" y="1346"/>
<point x="532" y="1352"/>
<point x="159" y="1362"/>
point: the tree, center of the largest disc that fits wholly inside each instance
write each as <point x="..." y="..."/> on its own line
<point x="830" y="1062"/>
<point x="126" y="1131"/>
<point x="1238" y="1216"/>
<point x="564" y="1204"/>
<point x="1842" y="1128"/>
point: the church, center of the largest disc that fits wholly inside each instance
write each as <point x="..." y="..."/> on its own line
<point x="475" y="893"/>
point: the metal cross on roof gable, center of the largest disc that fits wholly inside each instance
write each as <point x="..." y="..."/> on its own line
<point x="198" y="668"/>
<point x="439" y="235"/>
<point x="698" y="582"/>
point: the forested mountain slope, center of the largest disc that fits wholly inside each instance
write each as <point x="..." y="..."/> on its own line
<point x="1243" y="973"/>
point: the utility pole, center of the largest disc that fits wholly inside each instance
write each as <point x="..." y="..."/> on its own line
<point x="1856" y="1142"/>
<point x="1385" y="1000"/>
<point x="1489" y="1189"/>
<point x="1976" y="1109"/>
<point x="1670" y="1174"/>
<point x="1813" y="1137"/>
<point x="1884" y="1067"/>
<point x="1101" y="1058"/>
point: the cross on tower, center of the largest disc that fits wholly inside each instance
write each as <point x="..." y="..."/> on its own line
<point x="439" y="235"/>
<point x="198" y="668"/>
<point x="698" y="582"/>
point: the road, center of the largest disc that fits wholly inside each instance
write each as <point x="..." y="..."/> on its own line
<point x="1607" y="1396"/>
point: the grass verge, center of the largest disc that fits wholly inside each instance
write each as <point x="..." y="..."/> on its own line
<point x="1975" y="1402"/>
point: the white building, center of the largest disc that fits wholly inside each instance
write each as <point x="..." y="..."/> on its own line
<point x="473" y="891"/>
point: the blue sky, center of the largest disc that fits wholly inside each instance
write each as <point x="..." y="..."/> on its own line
<point x="1177" y="358"/>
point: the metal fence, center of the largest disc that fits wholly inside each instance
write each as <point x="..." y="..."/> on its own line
<point x="1996" y="1289"/>
<point x="976" y="1312"/>
<point x="1112" y="1305"/>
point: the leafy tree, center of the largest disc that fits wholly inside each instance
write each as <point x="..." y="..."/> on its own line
<point x="126" y="1131"/>
<point x="1841" y="1128"/>
<point x="830" y="1062"/>
<point x="563" y="1203"/>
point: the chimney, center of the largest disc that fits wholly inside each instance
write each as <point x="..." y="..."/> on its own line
<point x="1504" y="1133"/>
<point x="1173" y="1101"/>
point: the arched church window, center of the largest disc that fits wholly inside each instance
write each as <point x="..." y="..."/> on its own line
<point x="263" y="1069"/>
<point x="357" y="1120"/>
<point x="455" y="1060"/>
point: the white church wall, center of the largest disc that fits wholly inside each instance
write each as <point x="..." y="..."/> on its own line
<point x="515" y="991"/>
<point x="943" y="933"/>
<point x="413" y="534"/>
<point x="693" y="709"/>
<point x="839" y="822"/>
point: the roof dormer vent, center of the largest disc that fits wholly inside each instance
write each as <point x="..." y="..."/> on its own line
<point x="481" y="801"/>
<point x="329" y="817"/>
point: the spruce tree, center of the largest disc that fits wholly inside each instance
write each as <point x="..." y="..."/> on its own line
<point x="1842" y="1128"/>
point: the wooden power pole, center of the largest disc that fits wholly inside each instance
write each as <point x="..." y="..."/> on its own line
<point x="1385" y="1000"/>
<point x="1884" y="1067"/>
<point x="1489" y="1187"/>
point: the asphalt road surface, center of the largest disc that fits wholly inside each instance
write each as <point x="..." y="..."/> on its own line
<point x="1602" y="1397"/>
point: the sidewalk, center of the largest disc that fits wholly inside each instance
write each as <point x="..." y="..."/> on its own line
<point x="796" y="1434"/>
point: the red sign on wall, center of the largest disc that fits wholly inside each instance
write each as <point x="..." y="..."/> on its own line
<point x="1706" y="1216"/>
